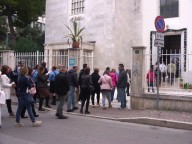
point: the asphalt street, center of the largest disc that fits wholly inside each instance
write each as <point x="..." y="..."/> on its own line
<point x="85" y="130"/>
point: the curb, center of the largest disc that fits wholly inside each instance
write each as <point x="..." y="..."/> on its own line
<point x="139" y="120"/>
<point x="158" y="122"/>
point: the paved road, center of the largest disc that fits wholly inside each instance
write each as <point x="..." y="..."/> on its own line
<point x="84" y="130"/>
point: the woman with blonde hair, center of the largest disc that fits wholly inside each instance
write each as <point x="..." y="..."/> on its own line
<point x="23" y="97"/>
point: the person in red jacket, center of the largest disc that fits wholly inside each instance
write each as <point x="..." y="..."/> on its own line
<point x="151" y="79"/>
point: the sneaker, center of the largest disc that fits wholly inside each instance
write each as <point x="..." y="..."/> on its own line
<point x="98" y="104"/>
<point x="62" y="117"/>
<point x="37" y="123"/>
<point x="93" y="106"/>
<point x="75" y="108"/>
<point x="19" y="125"/>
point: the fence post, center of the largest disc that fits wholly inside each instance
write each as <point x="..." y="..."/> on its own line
<point x="8" y="58"/>
<point x="137" y="79"/>
<point x="37" y="55"/>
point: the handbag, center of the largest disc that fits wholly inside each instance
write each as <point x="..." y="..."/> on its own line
<point x="32" y="90"/>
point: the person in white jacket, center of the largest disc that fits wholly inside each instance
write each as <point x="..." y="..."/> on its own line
<point x="2" y="102"/>
<point x="6" y="88"/>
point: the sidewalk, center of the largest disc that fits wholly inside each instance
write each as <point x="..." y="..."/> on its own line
<point x="172" y="119"/>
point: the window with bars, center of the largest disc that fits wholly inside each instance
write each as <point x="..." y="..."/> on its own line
<point x="169" y="8"/>
<point x="77" y="7"/>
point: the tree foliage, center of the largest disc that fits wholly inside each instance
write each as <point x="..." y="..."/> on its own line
<point x="29" y="39"/>
<point x="24" y="11"/>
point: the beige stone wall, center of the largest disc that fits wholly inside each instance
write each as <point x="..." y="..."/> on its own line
<point x="111" y="23"/>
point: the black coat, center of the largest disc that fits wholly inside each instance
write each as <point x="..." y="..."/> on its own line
<point x="61" y="84"/>
<point x="122" y="81"/>
<point x="95" y="78"/>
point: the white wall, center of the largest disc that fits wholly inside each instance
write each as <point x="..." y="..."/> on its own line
<point x="151" y="9"/>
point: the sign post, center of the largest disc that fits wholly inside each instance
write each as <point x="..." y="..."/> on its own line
<point x="159" y="43"/>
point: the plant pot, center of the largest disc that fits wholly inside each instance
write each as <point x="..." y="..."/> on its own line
<point x="75" y="44"/>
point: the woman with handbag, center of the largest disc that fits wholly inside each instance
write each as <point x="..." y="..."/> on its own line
<point x="25" y="98"/>
<point x="32" y="91"/>
<point x="106" y="87"/>
<point x="86" y="89"/>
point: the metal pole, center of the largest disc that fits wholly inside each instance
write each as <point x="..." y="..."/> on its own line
<point x="158" y="70"/>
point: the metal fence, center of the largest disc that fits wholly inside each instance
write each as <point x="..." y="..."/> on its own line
<point x="58" y="57"/>
<point x="175" y="73"/>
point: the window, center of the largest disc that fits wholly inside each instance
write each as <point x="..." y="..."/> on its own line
<point x="77" y="7"/>
<point x="169" y="8"/>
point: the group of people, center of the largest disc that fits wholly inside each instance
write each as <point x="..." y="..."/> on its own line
<point x="60" y="84"/>
<point x="171" y="70"/>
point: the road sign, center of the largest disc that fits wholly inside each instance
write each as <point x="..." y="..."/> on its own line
<point x="160" y="24"/>
<point x="159" y="43"/>
<point x="71" y="62"/>
<point x="159" y="36"/>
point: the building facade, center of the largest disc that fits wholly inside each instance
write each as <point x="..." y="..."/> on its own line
<point x="117" y="25"/>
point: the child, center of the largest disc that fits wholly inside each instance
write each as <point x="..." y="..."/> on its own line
<point x="150" y="79"/>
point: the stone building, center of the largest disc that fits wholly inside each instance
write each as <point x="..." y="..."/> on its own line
<point x="113" y="25"/>
<point x="117" y="25"/>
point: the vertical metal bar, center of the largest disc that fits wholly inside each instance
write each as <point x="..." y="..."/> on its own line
<point x="158" y="48"/>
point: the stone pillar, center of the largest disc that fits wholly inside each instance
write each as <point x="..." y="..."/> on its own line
<point x="137" y="79"/>
<point x="9" y="58"/>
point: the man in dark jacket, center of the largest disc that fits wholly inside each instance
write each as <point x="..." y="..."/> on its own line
<point x="72" y="77"/>
<point x="121" y="85"/>
<point x="61" y="89"/>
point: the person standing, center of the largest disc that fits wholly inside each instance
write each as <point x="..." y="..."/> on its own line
<point x="128" y="81"/>
<point x="6" y="87"/>
<point x="80" y="74"/>
<point x="95" y="78"/>
<point x="2" y="102"/>
<point x="52" y="75"/>
<point x="121" y="85"/>
<point x="163" y="70"/>
<point x="86" y="83"/>
<point x="114" y="78"/>
<point x="151" y="79"/>
<point x="61" y="89"/>
<point x="23" y="85"/>
<point x="171" y="70"/>
<point x="72" y="77"/>
<point x="42" y="87"/>
<point x="106" y="87"/>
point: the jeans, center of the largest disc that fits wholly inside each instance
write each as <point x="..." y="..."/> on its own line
<point x="71" y="98"/>
<point x="61" y="104"/>
<point x="112" y="93"/>
<point x="122" y="97"/>
<point x="150" y="84"/>
<point x="22" y="102"/>
<point x="106" y="94"/>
